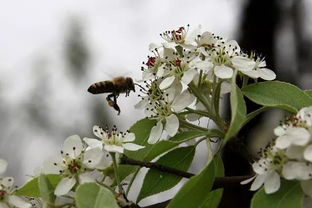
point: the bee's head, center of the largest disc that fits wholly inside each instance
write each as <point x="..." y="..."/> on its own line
<point x="130" y="84"/>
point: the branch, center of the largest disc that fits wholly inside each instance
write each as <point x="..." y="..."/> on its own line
<point x="219" y="182"/>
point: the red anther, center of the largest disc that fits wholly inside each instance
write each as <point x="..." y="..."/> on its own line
<point x="180" y="30"/>
<point x="178" y="62"/>
<point x="2" y="192"/>
<point x="74" y="167"/>
<point x="151" y="61"/>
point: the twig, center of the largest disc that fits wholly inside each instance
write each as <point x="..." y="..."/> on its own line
<point x="219" y="182"/>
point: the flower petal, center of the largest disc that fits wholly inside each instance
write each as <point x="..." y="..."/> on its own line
<point x="258" y="166"/>
<point x="282" y="142"/>
<point x="114" y="148"/>
<point x="93" y="143"/>
<point x="279" y="131"/>
<point x="169" y="51"/>
<point x="146" y="75"/>
<point x="242" y="63"/>
<point x="92" y="157"/>
<point x="153" y="46"/>
<point x="105" y="162"/>
<point x="86" y="178"/>
<point x="226" y="87"/>
<point x="199" y="64"/>
<point x="266" y="74"/>
<point x="298" y="136"/>
<point x="7" y="182"/>
<point x="141" y="104"/>
<point x="166" y="82"/>
<point x="297" y="170"/>
<point x="3" y="165"/>
<point x="174" y="91"/>
<point x="182" y="101"/>
<point x="3" y="205"/>
<point x="99" y="132"/>
<point x="288" y="171"/>
<point x="307" y="154"/>
<point x="172" y="125"/>
<point x="129" y="137"/>
<point x="64" y="186"/>
<point x="52" y="167"/>
<point x="206" y="38"/>
<point x="247" y="180"/>
<point x="307" y="187"/>
<point x="132" y="146"/>
<point x="272" y="183"/>
<point x="18" y="202"/>
<point x="155" y="133"/>
<point x="295" y="152"/>
<point x="259" y="180"/>
<point x="188" y="76"/>
<point x="72" y="146"/>
<point x="253" y="74"/>
<point x="223" y="72"/>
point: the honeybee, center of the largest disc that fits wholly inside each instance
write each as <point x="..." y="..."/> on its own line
<point x="115" y="87"/>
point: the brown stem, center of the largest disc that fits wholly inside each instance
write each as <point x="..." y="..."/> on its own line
<point x="219" y="182"/>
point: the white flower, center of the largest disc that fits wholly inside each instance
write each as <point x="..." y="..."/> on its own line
<point x="226" y="57"/>
<point x="112" y="141"/>
<point x="7" y="198"/>
<point x="75" y="164"/>
<point x="260" y="71"/>
<point x="305" y="114"/>
<point x="243" y="64"/>
<point x="291" y="136"/>
<point x="182" y="70"/>
<point x="3" y="165"/>
<point x="182" y="37"/>
<point x="307" y="153"/>
<point x="163" y="112"/>
<point x="207" y="40"/>
<point x="267" y="171"/>
<point x="297" y="170"/>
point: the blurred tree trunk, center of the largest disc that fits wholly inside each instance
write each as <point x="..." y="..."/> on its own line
<point x="257" y="31"/>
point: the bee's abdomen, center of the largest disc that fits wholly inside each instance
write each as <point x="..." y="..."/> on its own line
<point x="101" y="87"/>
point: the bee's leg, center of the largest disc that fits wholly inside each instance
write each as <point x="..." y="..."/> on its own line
<point x="113" y="103"/>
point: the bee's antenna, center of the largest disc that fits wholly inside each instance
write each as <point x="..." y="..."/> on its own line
<point x="140" y="86"/>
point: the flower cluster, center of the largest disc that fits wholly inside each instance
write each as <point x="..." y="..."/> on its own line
<point x="188" y="57"/>
<point x="7" y="197"/>
<point x="290" y="157"/>
<point x="86" y="160"/>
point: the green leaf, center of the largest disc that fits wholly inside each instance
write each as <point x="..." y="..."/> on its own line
<point x="31" y="188"/>
<point x="278" y="95"/>
<point x="91" y="195"/>
<point x="46" y="189"/>
<point x="290" y="195"/>
<point x="179" y="50"/>
<point x="213" y="199"/>
<point x="157" y="181"/>
<point x="142" y="130"/>
<point x="164" y="146"/>
<point x="308" y="92"/>
<point x="238" y="111"/>
<point x="125" y="170"/>
<point x="195" y="192"/>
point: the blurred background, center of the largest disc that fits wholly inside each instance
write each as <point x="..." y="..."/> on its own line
<point x="51" y="51"/>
